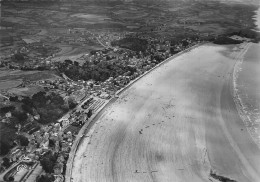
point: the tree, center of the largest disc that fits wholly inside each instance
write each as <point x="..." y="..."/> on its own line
<point x="11" y="178"/>
<point x="23" y="140"/>
<point x="27" y="108"/>
<point x="48" y="162"/>
<point x="7" y="109"/>
<point x="13" y="99"/>
<point x="76" y="63"/>
<point x="18" y="57"/>
<point x="6" y="162"/>
<point x="67" y="61"/>
<point x="21" y="116"/>
<point x="72" y="103"/>
<point x="4" y="148"/>
<point x="47" y="165"/>
<point x="89" y="114"/>
<point x="39" y="98"/>
<point x="56" y="99"/>
<point x="45" y="178"/>
<point x="51" y="143"/>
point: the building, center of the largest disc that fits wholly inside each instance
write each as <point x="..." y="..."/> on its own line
<point x="58" y="168"/>
<point x="16" y="153"/>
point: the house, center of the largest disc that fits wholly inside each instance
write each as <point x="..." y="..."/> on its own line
<point x="8" y="115"/>
<point x="57" y="127"/>
<point x="65" y="146"/>
<point x="104" y="95"/>
<point x="45" y="144"/>
<point x="58" y="168"/>
<point x="46" y="136"/>
<point x="96" y="87"/>
<point x="54" y="137"/>
<point x="58" y="178"/>
<point x="31" y="146"/>
<point x="57" y="146"/>
<point x="15" y="154"/>
<point x="60" y="159"/>
<point x="37" y="117"/>
<point x="69" y="136"/>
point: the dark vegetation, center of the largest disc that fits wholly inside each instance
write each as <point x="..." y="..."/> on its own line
<point x="6" y="162"/>
<point x="225" y="40"/>
<point x="19" y="57"/>
<point x="48" y="162"/>
<point x="134" y="44"/>
<point x="7" y="137"/>
<point x="7" y="142"/>
<point x="45" y="178"/>
<point x="220" y="178"/>
<point x="23" y="140"/>
<point x="49" y="106"/>
<point x="4" y="147"/>
<point x="248" y="33"/>
<point x="98" y="71"/>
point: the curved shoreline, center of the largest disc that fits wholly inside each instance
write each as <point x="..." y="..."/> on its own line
<point x="188" y="118"/>
<point x="240" y="106"/>
<point x="100" y="111"/>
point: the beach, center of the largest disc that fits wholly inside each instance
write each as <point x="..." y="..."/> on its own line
<point x="247" y="88"/>
<point x="194" y="118"/>
<point x="177" y="123"/>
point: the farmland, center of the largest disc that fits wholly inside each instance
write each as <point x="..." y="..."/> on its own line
<point x="55" y="26"/>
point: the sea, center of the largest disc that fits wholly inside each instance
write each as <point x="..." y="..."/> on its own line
<point x="247" y="88"/>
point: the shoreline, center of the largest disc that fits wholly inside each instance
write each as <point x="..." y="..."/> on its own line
<point x="202" y="89"/>
<point x="238" y="139"/>
<point x="241" y="102"/>
<point x="87" y="127"/>
<point x="240" y="106"/>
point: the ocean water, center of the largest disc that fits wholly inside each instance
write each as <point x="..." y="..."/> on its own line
<point x="247" y="88"/>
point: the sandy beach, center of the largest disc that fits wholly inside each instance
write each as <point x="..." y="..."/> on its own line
<point x="177" y="123"/>
<point x="247" y="88"/>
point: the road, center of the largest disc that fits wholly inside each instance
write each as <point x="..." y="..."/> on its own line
<point x="177" y="123"/>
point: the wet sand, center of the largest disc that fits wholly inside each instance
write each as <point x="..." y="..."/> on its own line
<point x="248" y="91"/>
<point x="247" y="88"/>
<point x="175" y="124"/>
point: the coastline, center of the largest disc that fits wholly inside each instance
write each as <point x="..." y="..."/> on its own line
<point x="244" y="112"/>
<point x="245" y="88"/>
<point x="131" y="130"/>
<point x="83" y="138"/>
<point x="88" y="126"/>
<point x="240" y="149"/>
<point x="87" y="131"/>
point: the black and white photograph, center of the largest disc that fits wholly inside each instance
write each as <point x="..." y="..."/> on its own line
<point x="129" y="90"/>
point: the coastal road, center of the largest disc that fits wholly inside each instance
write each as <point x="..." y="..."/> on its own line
<point x="175" y="124"/>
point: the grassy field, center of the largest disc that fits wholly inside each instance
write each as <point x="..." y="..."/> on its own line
<point x="10" y="80"/>
<point x="41" y="21"/>
<point x="26" y="91"/>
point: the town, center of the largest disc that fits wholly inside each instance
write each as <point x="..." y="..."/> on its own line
<point x="61" y="67"/>
<point x="46" y="148"/>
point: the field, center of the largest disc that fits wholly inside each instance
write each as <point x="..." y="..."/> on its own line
<point x="10" y="80"/>
<point x="5" y="85"/>
<point x="50" y="23"/>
